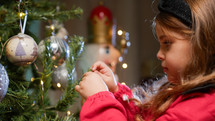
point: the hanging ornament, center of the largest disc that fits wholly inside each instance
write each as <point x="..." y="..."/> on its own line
<point x="4" y="82"/>
<point x="21" y="50"/>
<point x="60" y="76"/>
<point x="59" y="49"/>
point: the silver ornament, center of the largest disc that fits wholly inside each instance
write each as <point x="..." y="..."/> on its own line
<point x="4" y="82"/>
<point x="58" y="49"/>
<point x="60" y="75"/>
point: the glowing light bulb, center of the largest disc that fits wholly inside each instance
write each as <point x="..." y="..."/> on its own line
<point x="123" y="83"/>
<point x="124" y="65"/>
<point x="120" y="59"/>
<point x="52" y="27"/>
<point x="32" y="79"/>
<point x="58" y="85"/>
<point x="41" y="82"/>
<point x="21" y="15"/>
<point x="128" y="44"/>
<point x="68" y="113"/>
<point x="119" y="32"/>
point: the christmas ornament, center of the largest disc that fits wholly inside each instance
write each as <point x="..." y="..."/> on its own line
<point x="60" y="76"/>
<point x="4" y="82"/>
<point x="58" y="49"/>
<point x="21" y="50"/>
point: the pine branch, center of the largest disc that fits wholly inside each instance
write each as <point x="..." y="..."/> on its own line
<point x="52" y="14"/>
<point x="76" y="46"/>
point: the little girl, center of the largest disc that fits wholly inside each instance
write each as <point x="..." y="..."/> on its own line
<point x="185" y="30"/>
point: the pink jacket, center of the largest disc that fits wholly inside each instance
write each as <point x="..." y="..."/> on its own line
<point x="105" y="106"/>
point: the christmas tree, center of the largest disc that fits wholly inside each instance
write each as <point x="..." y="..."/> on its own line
<point x="28" y="64"/>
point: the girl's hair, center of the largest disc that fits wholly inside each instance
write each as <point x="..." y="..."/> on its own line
<point x="200" y="70"/>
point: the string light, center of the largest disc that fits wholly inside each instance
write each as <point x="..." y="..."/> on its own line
<point x="128" y="44"/>
<point x="123" y="83"/>
<point x="32" y="79"/>
<point x="119" y="32"/>
<point x="21" y="15"/>
<point x="52" y="27"/>
<point x="68" y="113"/>
<point x="120" y="59"/>
<point x="124" y="65"/>
<point x="58" y="85"/>
<point x="41" y="82"/>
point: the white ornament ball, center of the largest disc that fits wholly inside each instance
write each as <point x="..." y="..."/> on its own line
<point x="21" y="50"/>
<point x="4" y="82"/>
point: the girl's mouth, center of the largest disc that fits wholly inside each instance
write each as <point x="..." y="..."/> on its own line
<point x="165" y="69"/>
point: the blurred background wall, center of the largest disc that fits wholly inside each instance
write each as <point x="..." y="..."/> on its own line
<point x="134" y="16"/>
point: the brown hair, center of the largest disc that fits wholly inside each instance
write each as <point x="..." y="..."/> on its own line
<point x="200" y="70"/>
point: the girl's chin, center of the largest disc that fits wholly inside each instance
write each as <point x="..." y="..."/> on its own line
<point x="173" y="80"/>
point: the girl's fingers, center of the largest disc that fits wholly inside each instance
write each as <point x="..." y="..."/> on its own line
<point x="98" y="73"/>
<point x="77" y="88"/>
<point x="85" y="74"/>
<point x="98" y="65"/>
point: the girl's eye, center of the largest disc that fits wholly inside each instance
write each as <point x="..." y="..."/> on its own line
<point x="166" y="42"/>
<point x="165" y="45"/>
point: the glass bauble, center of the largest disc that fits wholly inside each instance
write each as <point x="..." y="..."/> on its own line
<point x="58" y="50"/>
<point x="60" y="76"/>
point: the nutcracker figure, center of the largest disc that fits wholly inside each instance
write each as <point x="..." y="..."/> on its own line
<point x="101" y="44"/>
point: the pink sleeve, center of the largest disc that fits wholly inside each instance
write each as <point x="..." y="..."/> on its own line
<point x="122" y="95"/>
<point x="102" y="107"/>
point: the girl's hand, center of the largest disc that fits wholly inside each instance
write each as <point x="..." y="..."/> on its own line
<point x="90" y="84"/>
<point x="107" y="75"/>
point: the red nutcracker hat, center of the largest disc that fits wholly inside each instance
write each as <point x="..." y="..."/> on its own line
<point x="100" y="26"/>
<point x="102" y="29"/>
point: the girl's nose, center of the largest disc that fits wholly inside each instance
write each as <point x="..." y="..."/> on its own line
<point x="160" y="55"/>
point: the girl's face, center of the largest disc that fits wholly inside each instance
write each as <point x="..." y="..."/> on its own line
<point x="174" y="53"/>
